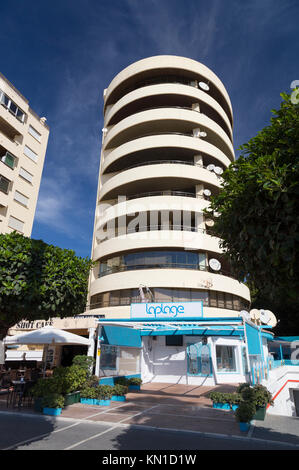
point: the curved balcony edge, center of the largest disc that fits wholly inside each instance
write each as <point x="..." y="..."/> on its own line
<point x="176" y="278"/>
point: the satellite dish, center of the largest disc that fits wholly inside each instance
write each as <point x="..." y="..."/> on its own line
<point x="214" y="264"/>
<point x="204" y="86"/>
<point x="254" y="314"/>
<point x="207" y="192"/>
<point x="209" y="222"/>
<point x="211" y="167"/>
<point x="218" y="170"/>
<point x="268" y="318"/>
<point x="203" y="134"/>
<point x="245" y="314"/>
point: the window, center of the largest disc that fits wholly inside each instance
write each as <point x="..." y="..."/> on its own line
<point x="16" y="224"/>
<point x="108" y="356"/>
<point x="4" y="184"/>
<point x="29" y="153"/>
<point x="34" y="133"/>
<point x="12" y="107"/>
<point x="221" y="303"/>
<point x="21" y="198"/>
<point x="225" y="358"/>
<point x="26" y="175"/>
<point x="229" y="301"/>
<point x="9" y="160"/>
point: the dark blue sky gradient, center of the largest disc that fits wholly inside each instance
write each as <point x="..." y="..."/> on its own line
<point x="62" y="54"/>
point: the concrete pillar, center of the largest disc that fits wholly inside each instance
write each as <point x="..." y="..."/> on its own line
<point x="90" y="351"/>
<point x="199" y="188"/>
<point x="198" y="160"/>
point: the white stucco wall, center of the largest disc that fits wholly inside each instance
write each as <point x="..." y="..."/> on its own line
<point x="168" y="364"/>
<point x="281" y="383"/>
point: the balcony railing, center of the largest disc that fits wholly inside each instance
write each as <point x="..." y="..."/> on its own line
<point x="218" y="121"/>
<point x="168" y="162"/>
<point x="134" y="267"/>
<point x="113" y="233"/>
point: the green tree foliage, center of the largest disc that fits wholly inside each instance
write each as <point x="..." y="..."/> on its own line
<point x="39" y="281"/>
<point x="258" y="221"/>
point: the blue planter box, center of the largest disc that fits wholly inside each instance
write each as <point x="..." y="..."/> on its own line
<point x="221" y="406"/>
<point x="102" y="402"/>
<point x="244" y="427"/>
<point x="118" y="398"/>
<point x="52" y="411"/>
<point x="87" y="401"/>
<point x="134" y="387"/>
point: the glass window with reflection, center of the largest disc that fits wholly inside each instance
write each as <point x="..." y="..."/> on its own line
<point x="226" y="358"/>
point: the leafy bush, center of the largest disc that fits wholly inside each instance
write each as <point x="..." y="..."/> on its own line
<point x="55" y="400"/>
<point x="92" y="381"/>
<point x="85" y="362"/>
<point x="88" y="392"/>
<point x="217" y="397"/>
<point x="45" y="387"/>
<point x="248" y="394"/>
<point x="103" y="392"/>
<point x="258" y="395"/>
<point x="230" y="398"/>
<point x="120" y="390"/>
<point x="262" y="396"/>
<point x="121" y="381"/>
<point x="70" y="379"/>
<point x="135" y="381"/>
<point x="245" y="412"/>
<point x="242" y="387"/>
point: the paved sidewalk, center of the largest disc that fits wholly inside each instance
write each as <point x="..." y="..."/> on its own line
<point x="177" y="408"/>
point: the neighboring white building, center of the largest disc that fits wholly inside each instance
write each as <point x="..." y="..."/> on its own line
<point x="23" y="144"/>
<point x="167" y="138"/>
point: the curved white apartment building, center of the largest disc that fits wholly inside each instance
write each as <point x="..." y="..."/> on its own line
<point x="167" y="138"/>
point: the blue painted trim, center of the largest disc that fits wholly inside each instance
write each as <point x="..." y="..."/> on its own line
<point x="168" y="319"/>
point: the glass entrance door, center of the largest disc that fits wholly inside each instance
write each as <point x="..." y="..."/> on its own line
<point x="199" y="359"/>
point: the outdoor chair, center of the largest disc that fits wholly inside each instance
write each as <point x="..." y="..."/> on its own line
<point x="19" y="395"/>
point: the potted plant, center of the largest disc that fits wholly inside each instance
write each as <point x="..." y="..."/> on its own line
<point x="134" y="383"/>
<point x="261" y="398"/>
<point x="88" y="395"/>
<point x="53" y="404"/>
<point x="220" y="400"/>
<point x="43" y="388"/>
<point x="121" y="381"/>
<point x="119" y="392"/>
<point x="103" y="394"/>
<point x="234" y="400"/>
<point x="244" y="414"/>
<point x="71" y="379"/>
<point x="85" y="362"/>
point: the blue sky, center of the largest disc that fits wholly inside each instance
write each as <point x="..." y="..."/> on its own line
<point x="61" y="54"/>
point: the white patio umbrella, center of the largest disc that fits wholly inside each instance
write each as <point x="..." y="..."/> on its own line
<point x="48" y="335"/>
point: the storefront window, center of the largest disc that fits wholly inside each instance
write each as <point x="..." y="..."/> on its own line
<point x="226" y="360"/>
<point x="108" y="357"/>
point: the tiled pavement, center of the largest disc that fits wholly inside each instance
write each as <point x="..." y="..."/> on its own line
<point x="164" y="406"/>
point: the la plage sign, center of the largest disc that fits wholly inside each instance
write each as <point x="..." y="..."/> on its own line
<point x="150" y="310"/>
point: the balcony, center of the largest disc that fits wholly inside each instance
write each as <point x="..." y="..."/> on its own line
<point x="168" y="121"/>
